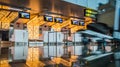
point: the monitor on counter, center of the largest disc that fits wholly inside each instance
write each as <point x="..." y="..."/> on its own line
<point x="24" y="15"/>
<point x="75" y="22"/>
<point x="82" y="23"/>
<point x="58" y="20"/>
<point x="48" y="18"/>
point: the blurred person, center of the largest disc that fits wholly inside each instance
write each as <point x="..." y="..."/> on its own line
<point x="104" y="45"/>
<point x="85" y="42"/>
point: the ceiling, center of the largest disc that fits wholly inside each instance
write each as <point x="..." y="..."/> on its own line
<point x="56" y="6"/>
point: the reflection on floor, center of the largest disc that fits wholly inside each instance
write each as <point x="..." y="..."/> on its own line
<point x="33" y="58"/>
<point x="4" y="58"/>
<point x="18" y="65"/>
<point x="112" y="64"/>
<point x="4" y="62"/>
<point x="24" y="65"/>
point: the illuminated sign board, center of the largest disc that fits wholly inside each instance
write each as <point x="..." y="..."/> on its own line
<point x="90" y="13"/>
<point x="24" y="15"/>
<point x="48" y="18"/>
<point x="58" y="20"/>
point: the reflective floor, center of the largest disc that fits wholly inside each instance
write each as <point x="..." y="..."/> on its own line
<point x="48" y="62"/>
<point x="24" y="65"/>
<point x="18" y="65"/>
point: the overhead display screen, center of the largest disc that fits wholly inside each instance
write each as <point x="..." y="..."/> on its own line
<point x="81" y="23"/>
<point x="48" y="18"/>
<point x="58" y="20"/>
<point x="75" y="22"/>
<point x="24" y="15"/>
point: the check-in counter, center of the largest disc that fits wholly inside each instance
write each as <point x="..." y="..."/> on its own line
<point x="5" y="44"/>
<point x="97" y="60"/>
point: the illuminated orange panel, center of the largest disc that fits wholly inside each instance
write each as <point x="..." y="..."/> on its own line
<point x="33" y="58"/>
<point x="88" y="20"/>
<point x="50" y="23"/>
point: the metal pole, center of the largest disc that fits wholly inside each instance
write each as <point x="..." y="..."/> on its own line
<point x="64" y="45"/>
<point x="74" y="44"/>
<point x="56" y="43"/>
<point x="48" y="43"/>
<point x="67" y="41"/>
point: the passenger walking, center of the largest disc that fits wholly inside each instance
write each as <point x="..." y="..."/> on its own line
<point x="85" y="42"/>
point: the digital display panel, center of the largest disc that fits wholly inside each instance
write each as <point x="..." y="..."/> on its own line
<point x="81" y="23"/>
<point x="75" y="22"/>
<point x="24" y="15"/>
<point x="58" y="20"/>
<point x="90" y="13"/>
<point x="48" y="18"/>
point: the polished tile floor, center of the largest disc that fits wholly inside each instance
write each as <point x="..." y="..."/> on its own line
<point x="112" y="64"/>
<point x="18" y="65"/>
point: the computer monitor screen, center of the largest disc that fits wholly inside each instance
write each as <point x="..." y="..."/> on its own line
<point x="24" y="15"/>
<point x="75" y="22"/>
<point x="82" y="23"/>
<point x="48" y="18"/>
<point x="58" y="20"/>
